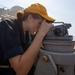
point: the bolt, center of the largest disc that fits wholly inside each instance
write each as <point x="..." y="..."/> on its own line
<point x="62" y="69"/>
<point x="44" y="58"/>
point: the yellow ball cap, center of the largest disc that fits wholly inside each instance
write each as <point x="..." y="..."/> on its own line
<point x="39" y="9"/>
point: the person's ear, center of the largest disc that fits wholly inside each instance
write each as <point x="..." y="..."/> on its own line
<point x="30" y="18"/>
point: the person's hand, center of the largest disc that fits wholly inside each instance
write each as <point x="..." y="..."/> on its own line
<point x="44" y="28"/>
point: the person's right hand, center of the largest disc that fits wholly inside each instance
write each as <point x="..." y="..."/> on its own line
<point x="44" y="28"/>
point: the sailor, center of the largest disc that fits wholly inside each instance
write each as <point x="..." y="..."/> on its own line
<point x="17" y="51"/>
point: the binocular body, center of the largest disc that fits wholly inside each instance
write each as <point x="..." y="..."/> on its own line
<point x="58" y="55"/>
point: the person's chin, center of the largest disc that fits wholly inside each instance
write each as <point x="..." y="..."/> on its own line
<point x="33" y="33"/>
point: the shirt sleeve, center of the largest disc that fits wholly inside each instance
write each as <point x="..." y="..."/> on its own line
<point x="10" y="39"/>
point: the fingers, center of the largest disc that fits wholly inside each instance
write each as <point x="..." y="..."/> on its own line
<point x="45" y="27"/>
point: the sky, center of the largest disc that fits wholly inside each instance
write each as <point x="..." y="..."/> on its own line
<point x="61" y="10"/>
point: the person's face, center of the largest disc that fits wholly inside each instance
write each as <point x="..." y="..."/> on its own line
<point x="34" y="24"/>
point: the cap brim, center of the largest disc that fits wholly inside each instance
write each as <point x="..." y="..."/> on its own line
<point x="48" y="18"/>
